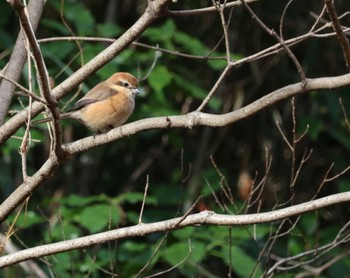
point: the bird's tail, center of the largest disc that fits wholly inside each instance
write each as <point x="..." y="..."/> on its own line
<point x="49" y="119"/>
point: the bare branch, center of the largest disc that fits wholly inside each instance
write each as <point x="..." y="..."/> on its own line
<point x="195" y="119"/>
<point x="177" y="265"/>
<point x="205" y="217"/>
<point x="43" y="79"/>
<point x="18" y="58"/>
<point x="279" y="39"/>
<point x="344" y="42"/>
<point x="144" y="199"/>
<point x="25" y="91"/>
<point x="205" y="10"/>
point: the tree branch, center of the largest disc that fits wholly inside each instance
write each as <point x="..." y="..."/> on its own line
<point x="43" y="77"/>
<point x="206" y="10"/>
<point x="18" y="58"/>
<point x="205" y="217"/>
<point x="195" y="118"/>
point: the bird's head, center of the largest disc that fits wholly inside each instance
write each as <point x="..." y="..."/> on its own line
<point x="124" y="82"/>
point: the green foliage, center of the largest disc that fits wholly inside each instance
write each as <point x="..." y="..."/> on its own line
<point x="103" y="188"/>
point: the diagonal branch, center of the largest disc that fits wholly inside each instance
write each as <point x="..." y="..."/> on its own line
<point x="344" y="42"/>
<point x="18" y="58"/>
<point x="43" y="77"/>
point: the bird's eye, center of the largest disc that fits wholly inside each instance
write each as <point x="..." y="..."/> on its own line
<point x="124" y="83"/>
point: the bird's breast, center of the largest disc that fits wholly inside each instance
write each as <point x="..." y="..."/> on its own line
<point x="109" y="113"/>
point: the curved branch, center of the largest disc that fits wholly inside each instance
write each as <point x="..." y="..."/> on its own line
<point x="205" y="217"/>
<point x="195" y="118"/>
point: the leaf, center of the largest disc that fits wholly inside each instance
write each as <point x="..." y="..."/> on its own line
<point x="159" y="79"/>
<point x="26" y="219"/>
<point x="108" y="30"/>
<point x="74" y="200"/>
<point x="175" y="253"/>
<point x="184" y="233"/>
<point x="135" y="197"/>
<point x="242" y="263"/>
<point x="63" y="231"/>
<point x="97" y="217"/>
<point x="191" y="44"/>
<point x="164" y="33"/>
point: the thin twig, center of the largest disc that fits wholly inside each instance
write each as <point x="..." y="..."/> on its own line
<point x="177" y="265"/>
<point x="157" y="54"/>
<point x="279" y="39"/>
<point x="144" y="199"/>
<point x="284" y="137"/>
<point x="214" y="88"/>
<point x="205" y="10"/>
<point x="344" y="113"/>
<point x="25" y="90"/>
<point x="25" y="143"/>
<point x="44" y="83"/>
<point x="344" y="42"/>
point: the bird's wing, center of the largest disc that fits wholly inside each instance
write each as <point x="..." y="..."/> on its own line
<point x="98" y="93"/>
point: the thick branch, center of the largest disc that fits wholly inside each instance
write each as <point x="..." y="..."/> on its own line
<point x="28" y="186"/>
<point x="194" y="119"/>
<point x="205" y="217"/>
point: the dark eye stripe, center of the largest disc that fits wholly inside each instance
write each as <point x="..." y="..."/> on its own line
<point x="124" y="83"/>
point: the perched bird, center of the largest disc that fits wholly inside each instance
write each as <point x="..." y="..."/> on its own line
<point x="109" y="104"/>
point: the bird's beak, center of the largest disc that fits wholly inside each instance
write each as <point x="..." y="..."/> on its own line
<point x="135" y="91"/>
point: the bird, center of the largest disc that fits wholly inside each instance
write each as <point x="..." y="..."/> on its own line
<point x="107" y="105"/>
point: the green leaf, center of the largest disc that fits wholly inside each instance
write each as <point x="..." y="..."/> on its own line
<point x="81" y="17"/>
<point x="26" y="219"/>
<point x="74" y="200"/>
<point x="159" y="79"/>
<point x="242" y="263"/>
<point x="97" y="217"/>
<point x="63" y="231"/>
<point x="54" y="25"/>
<point x="191" y="44"/>
<point x="135" y="197"/>
<point x="175" y="253"/>
<point x="164" y="33"/>
<point x="184" y="233"/>
<point x="108" y="30"/>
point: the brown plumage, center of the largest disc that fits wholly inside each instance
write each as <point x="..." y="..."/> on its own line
<point x="109" y="104"/>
